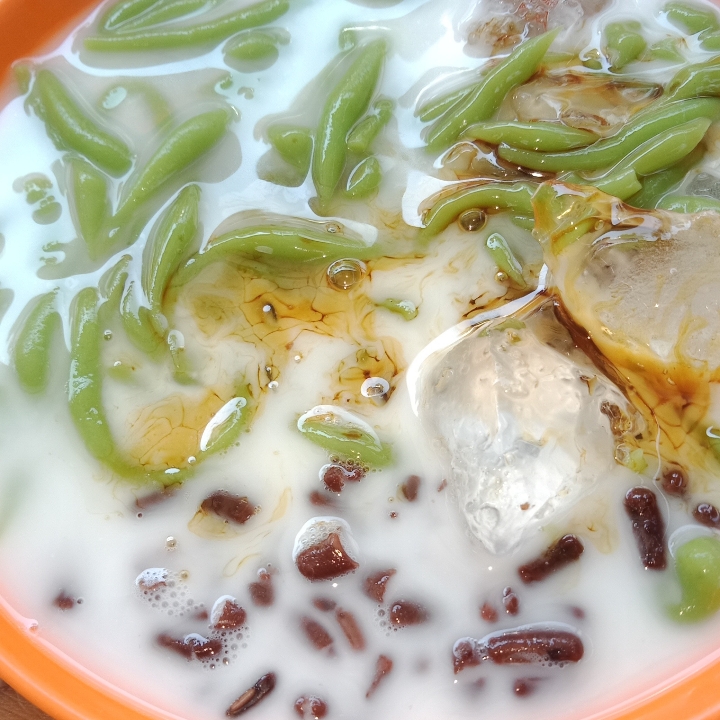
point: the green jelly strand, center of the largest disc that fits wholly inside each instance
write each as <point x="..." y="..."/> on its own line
<point x="170" y="241"/>
<point x="505" y="259"/>
<point x="345" y="105"/>
<point x="85" y="394"/>
<point x="499" y="196"/>
<point x="211" y="32"/>
<point x="485" y="98"/>
<point x="165" y="11"/>
<point x="89" y="204"/>
<point x="293" y="144"/>
<point x="252" y="46"/>
<point x="138" y="323"/>
<point x="268" y="244"/>
<point x="122" y="12"/>
<point x="645" y="126"/>
<point x="436" y="107"/>
<point x="70" y="128"/>
<point x="229" y="422"/>
<point x="540" y="136"/>
<point x="406" y="309"/>
<point x="180" y="149"/>
<point x="701" y="79"/>
<point x="31" y="352"/>
<point x="364" y="133"/>
<point x="655" y="186"/>
<point x="624" y="43"/>
<point x="691" y="18"/>
<point x="365" y="179"/>
<point x="346" y="439"/>
<point x="689" y="204"/>
<point x="697" y="564"/>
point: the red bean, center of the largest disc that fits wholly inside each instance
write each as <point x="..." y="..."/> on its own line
<point x="523" y="687"/>
<point x="350" y="627"/>
<point x="383" y="667"/>
<point x="564" y="551"/>
<point x="334" y="478"/>
<point x="335" y="475"/>
<point x="316" y="633"/>
<point x="232" y="508"/>
<point x="324" y="604"/>
<point x="404" y="613"/>
<point x="177" y="645"/>
<point x="674" y="481"/>
<point x="410" y="488"/>
<point x="707" y="514"/>
<point x="232" y="616"/>
<point x="375" y="584"/>
<point x="311" y="707"/>
<point x="488" y="613"/>
<point x="64" y="601"/>
<point x="262" y="592"/>
<point x="192" y="646"/>
<point x="326" y="560"/>
<point x="146" y="501"/>
<point x="510" y="601"/>
<point x="520" y="646"/>
<point x="319" y="500"/>
<point x="204" y="649"/>
<point x="648" y="527"/>
<point x="251" y="697"/>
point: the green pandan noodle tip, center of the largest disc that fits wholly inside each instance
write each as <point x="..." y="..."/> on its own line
<point x="697" y="565"/>
<point x="344" y="435"/>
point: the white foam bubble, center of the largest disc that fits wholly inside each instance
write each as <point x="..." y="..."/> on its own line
<point x="317" y="529"/>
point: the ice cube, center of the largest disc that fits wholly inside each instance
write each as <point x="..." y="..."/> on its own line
<point x="517" y="414"/>
<point x="645" y="287"/>
<point x="501" y="24"/>
<point x="705" y="185"/>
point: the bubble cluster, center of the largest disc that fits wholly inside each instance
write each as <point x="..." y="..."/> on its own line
<point x="381" y="618"/>
<point x="166" y="591"/>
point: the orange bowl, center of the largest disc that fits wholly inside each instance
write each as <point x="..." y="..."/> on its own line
<point x="62" y="687"/>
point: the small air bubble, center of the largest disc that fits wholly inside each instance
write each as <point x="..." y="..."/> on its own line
<point x="273" y="385"/>
<point x="473" y="220"/>
<point x="333" y="227"/>
<point x="374" y="387"/>
<point x="501" y="277"/>
<point x="171" y="543"/>
<point x="226" y="661"/>
<point x="344" y="274"/>
<point x="191" y="460"/>
<point x="297" y="358"/>
<point x="107" y="335"/>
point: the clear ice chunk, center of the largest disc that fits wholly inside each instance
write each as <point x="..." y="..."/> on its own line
<point x="516" y="412"/>
<point x="500" y="23"/>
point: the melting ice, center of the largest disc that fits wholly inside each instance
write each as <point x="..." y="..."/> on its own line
<point x="517" y="414"/>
